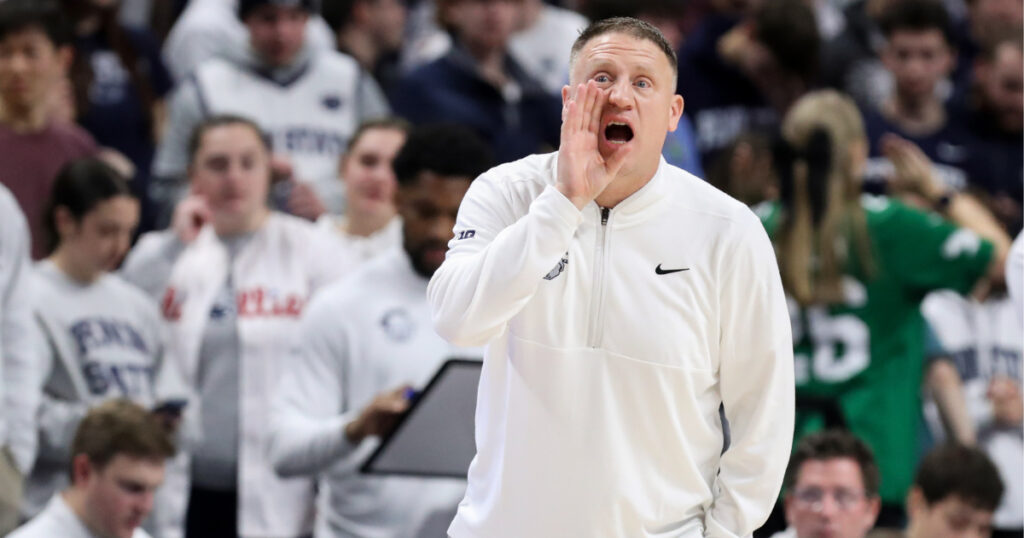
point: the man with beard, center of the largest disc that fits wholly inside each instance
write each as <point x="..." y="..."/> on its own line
<point x="365" y="342"/>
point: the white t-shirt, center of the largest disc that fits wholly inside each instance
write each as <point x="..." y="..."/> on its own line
<point x="364" y="248"/>
<point x="58" y="521"/>
<point x="984" y="340"/>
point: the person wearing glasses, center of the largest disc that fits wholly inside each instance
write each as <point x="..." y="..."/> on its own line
<point x="831" y="487"/>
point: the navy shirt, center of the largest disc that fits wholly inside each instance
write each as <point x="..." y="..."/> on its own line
<point x="951" y="148"/>
<point x="450" y="90"/>
<point x="722" y="102"/>
<point x="116" y="116"/>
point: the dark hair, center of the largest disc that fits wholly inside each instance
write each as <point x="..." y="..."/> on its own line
<point x="117" y="38"/>
<point x="631" y="27"/>
<point x="596" y="10"/>
<point x="246" y="7"/>
<point x="834" y="444"/>
<point x="787" y="28"/>
<point x="122" y="427"/>
<point x="917" y="16"/>
<point x="390" y="122"/>
<point x="337" y="13"/>
<point x="221" y="120"/>
<point x="81" y="185"/>
<point x="444" y="149"/>
<point x="956" y="470"/>
<point x="20" y="15"/>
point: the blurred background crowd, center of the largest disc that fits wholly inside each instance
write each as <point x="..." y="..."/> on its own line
<point x="181" y="178"/>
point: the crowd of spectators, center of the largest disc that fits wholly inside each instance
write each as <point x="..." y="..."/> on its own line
<point x="225" y="213"/>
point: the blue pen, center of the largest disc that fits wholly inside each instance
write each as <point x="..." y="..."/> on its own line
<point x="410" y="394"/>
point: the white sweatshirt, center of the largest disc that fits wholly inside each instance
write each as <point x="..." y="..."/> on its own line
<point x="101" y="340"/>
<point x="57" y="519"/>
<point x="614" y="336"/>
<point x="274" y="274"/>
<point x="20" y="369"/>
<point x="360" y="337"/>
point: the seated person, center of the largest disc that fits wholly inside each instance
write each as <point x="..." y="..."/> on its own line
<point x="831" y="487"/>
<point x="117" y="465"/>
<point x="955" y="492"/>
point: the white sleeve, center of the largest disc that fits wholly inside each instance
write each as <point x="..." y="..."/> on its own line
<point x="490" y="274"/>
<point x="19" y="364"/>
<point x="149" y="264"/>
<point x="1015" y="274"/>
<point x="309" y="414"/>
<point x="757" y="386"/>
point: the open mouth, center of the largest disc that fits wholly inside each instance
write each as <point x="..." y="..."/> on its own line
<point x="617" y="132"/>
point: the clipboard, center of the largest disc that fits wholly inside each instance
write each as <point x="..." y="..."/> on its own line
<point x="435" y="437"/>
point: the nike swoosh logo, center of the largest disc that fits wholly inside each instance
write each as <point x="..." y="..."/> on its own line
<point x="661" y="271"/>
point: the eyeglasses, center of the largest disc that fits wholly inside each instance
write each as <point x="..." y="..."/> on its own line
<point x="814" y="497"/>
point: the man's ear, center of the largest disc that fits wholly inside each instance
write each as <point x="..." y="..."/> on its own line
<point x="916" y="503"/>
<point x="675" y="111"/>
<point x="82" y="469"/>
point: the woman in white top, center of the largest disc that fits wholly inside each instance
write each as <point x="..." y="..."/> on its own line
<point x="370" y="224"/>
<point x="234" y="278"/>
<point x="101" y="337"/>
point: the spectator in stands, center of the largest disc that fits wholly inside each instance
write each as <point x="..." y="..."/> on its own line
<point x="982" y="360"/>
<point x="850" y="61"/>
<point x="857" y="325"/>
<point x="996" y="119"/>
<point x="955" y="491"/>
<point x="986" y="22"/>
<point x="478" y="84"/>
<point x="119" y="83"/>
<point x="18" y="361"/>
<point x="364" y="341"/>
<point x="831" y="487"/>
<point x="235" y="277"/>
<point x="742" y="74"/>
<point x="744" y="170"/>
<point x="117" y="463"/>
<point x="370" y="225"/>
<point x="100" y="337"/>
<point x="919" y="54"/>
<point x="211" y="29"/>
<point x="542" y="42"/>
<point x="370" y="31"/>
<point x="310" y="102"/>
<point x="35" y="54"/>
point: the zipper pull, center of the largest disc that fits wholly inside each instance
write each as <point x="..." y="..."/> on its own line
<point x="604" y="215"/>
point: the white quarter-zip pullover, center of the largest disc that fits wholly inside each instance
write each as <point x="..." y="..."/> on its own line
<point x="614" y="335"/>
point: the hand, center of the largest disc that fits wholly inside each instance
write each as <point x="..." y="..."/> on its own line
<point x="583" y="173"/>
<point x="190" y="216"/>
<point x="303" y="202"/>
<point x="1007" y="405"/>
<point x="913" y="170"/>
<point x="380" y="416"/>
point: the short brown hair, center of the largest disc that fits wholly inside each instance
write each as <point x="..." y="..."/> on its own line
<point x="392" y="123"/>
<point x="121" y="427"/>
<point x="955" y="470"/>
<point x="195" y="139"/>
<point x="830" y="445"/>
<point x="631" y="27"/>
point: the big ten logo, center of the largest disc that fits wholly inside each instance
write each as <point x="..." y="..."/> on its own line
<point x="170" y="305"/>
<point x="267" y="302"/>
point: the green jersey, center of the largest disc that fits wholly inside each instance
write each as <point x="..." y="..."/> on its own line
<point x="868" y="353"/>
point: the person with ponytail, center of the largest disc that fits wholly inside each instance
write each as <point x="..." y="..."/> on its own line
<point x="99" y="336"/>
<point x="856" y="268"/>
